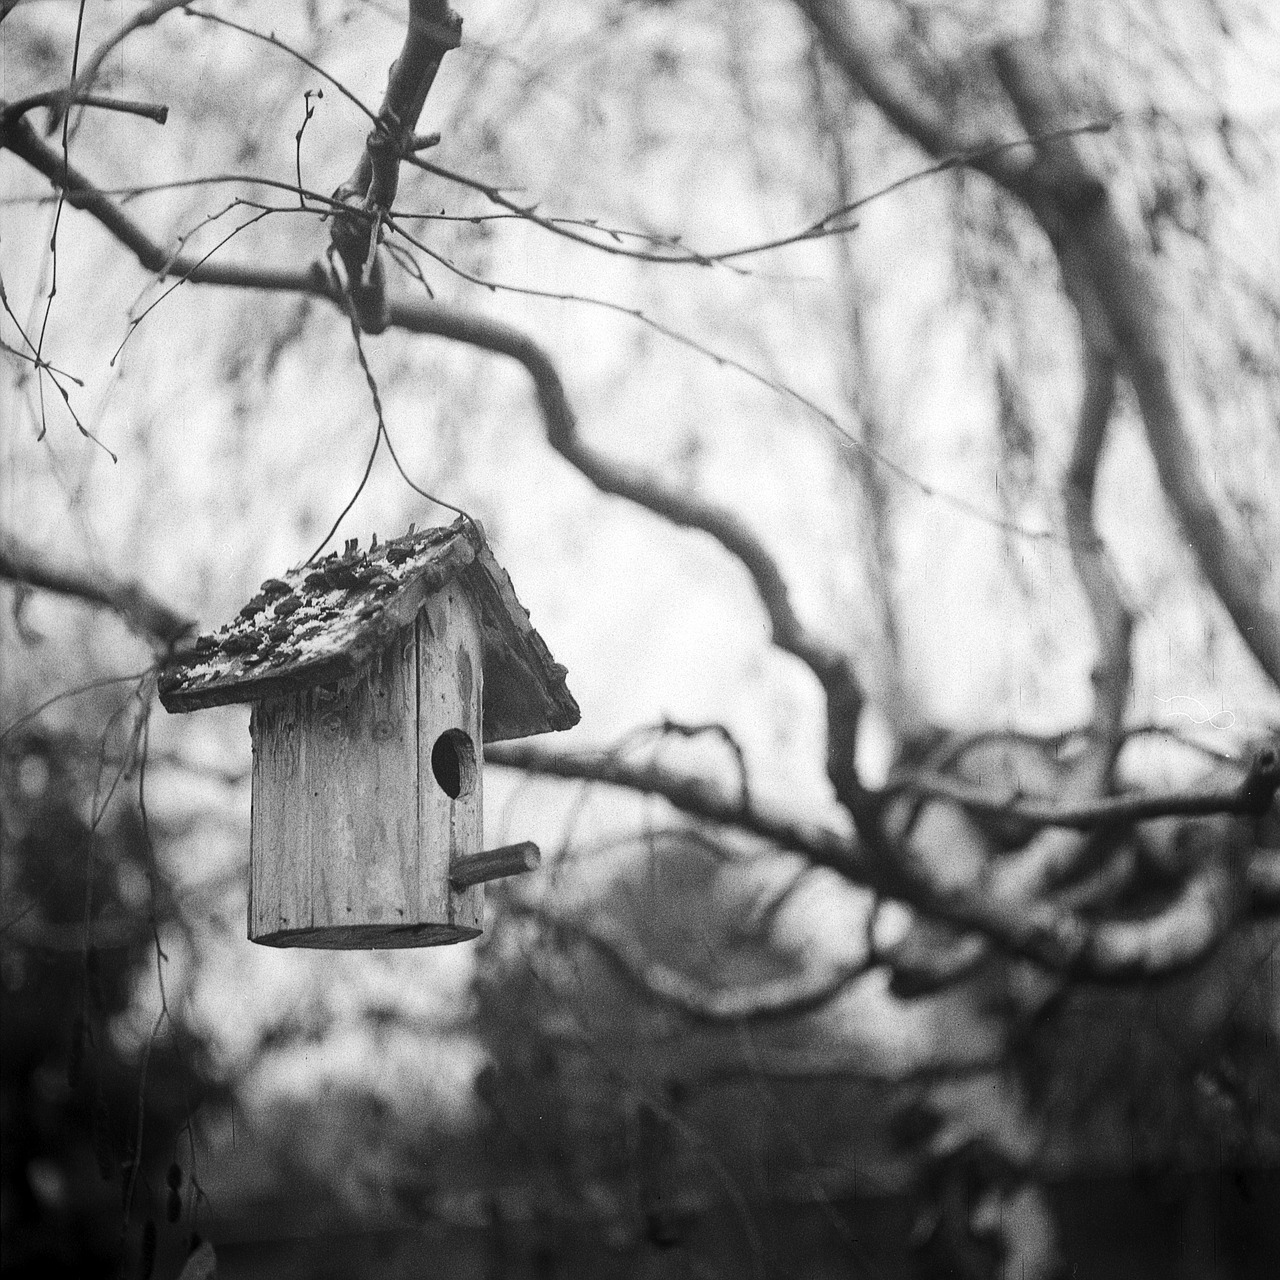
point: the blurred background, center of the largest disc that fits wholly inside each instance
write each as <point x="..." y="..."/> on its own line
<point x="669" y="1053"/>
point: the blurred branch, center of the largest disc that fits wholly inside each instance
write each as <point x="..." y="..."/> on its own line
<point x="1056" y="854"/>
<point x="856" y="43"/>
<point x="133" y="602"/>
<point x="1112" y="620"/>
<point x="692" y="795"/>
<point x="1119" y="304"/>
<point x="1250" y="799"/>
<point x="1037" y="930"/>
<point x="58" y="98"/>
<point x="1180" y="935"/>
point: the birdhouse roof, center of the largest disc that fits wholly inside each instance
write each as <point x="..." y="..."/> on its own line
<point x="327" y="620"/>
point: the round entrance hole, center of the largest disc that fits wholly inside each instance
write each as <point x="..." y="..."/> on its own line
<point x="453" y="761"/>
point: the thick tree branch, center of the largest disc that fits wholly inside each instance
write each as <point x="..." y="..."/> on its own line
<point x="370" y="192"/>
<point x="134" y="603"/>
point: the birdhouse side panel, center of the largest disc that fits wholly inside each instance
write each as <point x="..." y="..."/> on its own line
<point x="345" y="831"/>
<point x="451" y="752"/>
<point x="279" y="860"/>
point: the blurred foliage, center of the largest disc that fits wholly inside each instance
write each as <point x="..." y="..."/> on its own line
<point x="92" y="1119"/>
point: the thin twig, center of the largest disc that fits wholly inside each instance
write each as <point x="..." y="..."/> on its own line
<point x="62" y="100"/>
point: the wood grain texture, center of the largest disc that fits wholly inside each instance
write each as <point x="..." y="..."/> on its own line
<point x="343" y="854"/>
<point x="450" y="699"/>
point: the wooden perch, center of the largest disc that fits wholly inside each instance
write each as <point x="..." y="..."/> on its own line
<point x="494" y="864"/>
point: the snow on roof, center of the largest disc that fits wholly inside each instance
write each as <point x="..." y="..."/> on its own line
<point x="327" y="620"/>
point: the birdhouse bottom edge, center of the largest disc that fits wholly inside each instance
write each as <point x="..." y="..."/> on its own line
<point x="368" y="937"/>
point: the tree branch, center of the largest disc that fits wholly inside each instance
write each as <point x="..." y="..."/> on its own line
<point x="137" y="606"/>
<point x="1073" y="205"/>
<point x="1055" y="938"/>
<point x="89" y="73"/>
<point x="1250" y="799"/>
<point x="1035" y="931"/>
<point x="695" y="796"/>
<point x="1119" y="304"/>
<point x="59" y="98"/>
<point x="1056" y="854"/>
<point x="832" y="667"/>
<point x="370" y="192"/>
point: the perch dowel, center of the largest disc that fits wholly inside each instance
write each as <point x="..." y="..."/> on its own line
<point x="494" y="864"/>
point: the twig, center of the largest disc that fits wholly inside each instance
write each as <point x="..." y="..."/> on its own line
<point x="103" y="683"/>
<point x="269" y="37"/>
<point x="143" y="18"/>
<point x="679" y="254"/>
<point x="60" y="99"/>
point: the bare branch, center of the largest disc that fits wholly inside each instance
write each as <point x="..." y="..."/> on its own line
<point x="693" y="795"/>
<point x="59" y="99"/>
<point x="137" y="606"/>
<point x="1112" y="620"/>
<point x="1046" y="933"/>
<point x="370" y="192"/>
<point x="84" y="81"/>
<point x="857" y="43"/>
<point x="1250" y="799"/>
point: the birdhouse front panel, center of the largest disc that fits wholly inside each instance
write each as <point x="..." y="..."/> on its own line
<point x="450" y="756"/>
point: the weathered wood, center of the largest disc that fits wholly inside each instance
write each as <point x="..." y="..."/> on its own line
<point x="340" y="856"/>
<point x="325" y="622"/>
<point x="376" y="680"/>
<point x="494" y="864"/>
<point x="450" y="756"/>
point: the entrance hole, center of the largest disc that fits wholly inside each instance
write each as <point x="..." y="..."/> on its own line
<point x="453" y="762"/>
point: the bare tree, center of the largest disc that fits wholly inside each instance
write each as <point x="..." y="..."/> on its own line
<point x="1038" y="865"/>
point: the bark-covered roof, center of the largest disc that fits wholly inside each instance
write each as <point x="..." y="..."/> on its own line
<point x="327" y="620"/>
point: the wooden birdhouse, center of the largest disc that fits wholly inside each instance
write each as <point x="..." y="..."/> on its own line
<point x="375" y="679"/>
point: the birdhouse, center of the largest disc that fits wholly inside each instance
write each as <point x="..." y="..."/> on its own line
<point x="375" y="679"/>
